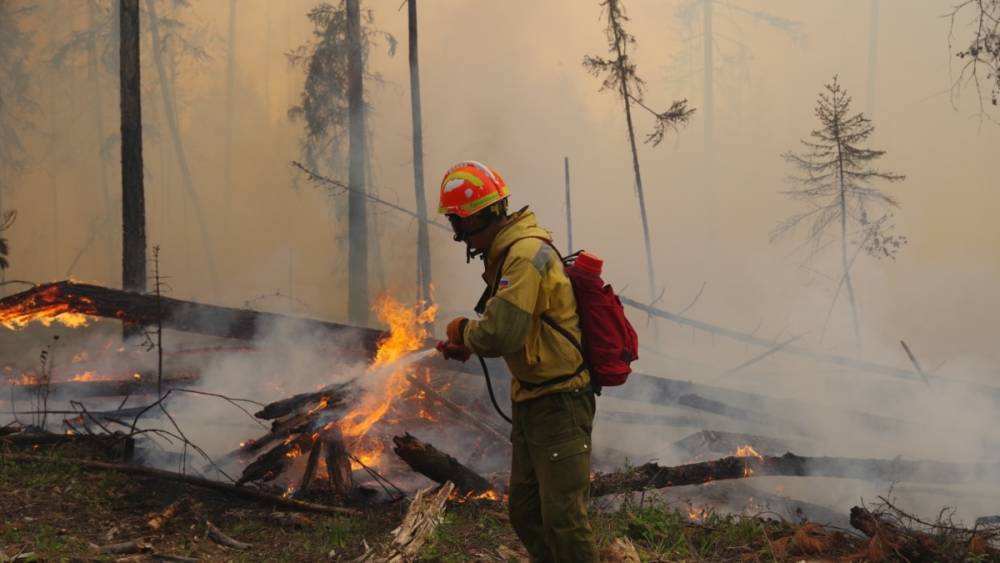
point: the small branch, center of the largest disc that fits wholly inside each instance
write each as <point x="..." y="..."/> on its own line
<point x="914" y="361"/>
<point x="220" y="538"/>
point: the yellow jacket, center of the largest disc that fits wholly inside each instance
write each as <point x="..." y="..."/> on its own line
<point x="532" y="282"/>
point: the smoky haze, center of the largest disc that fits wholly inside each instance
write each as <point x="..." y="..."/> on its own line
<point x="502" y="82"/>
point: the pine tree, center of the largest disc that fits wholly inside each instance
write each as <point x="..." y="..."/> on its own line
<point x="980" y="51"/>
<point x="835" y="176"/>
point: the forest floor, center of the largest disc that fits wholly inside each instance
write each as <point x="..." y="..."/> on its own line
<point x="54" y="510"/>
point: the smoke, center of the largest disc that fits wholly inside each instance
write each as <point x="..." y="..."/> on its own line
<point x="503" y="88"/>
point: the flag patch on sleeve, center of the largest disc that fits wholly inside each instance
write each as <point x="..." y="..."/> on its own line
<point x="504" y="283"/>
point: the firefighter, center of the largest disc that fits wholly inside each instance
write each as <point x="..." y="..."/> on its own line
<point x="528" y="316"/>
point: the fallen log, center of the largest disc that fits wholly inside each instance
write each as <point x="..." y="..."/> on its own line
<point x="242" y="492"/>
<point x="439" y="466"/>
<point x="48" y="300"/>
<point x="422" y="518"/>
<point x="145" y="384"/>
<point x="709" y="444"/>
<point x="653" y="476"/>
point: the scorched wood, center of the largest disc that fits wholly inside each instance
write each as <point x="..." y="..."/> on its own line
<point x="142" y="309"/>
<point x="653" y="476"/>
<point x="439" y="466"/>
<point x="912" y="545"/>
<point x="105" y="387"/>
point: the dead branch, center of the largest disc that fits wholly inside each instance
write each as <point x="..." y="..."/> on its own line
<point x="419" y="523"/>
<point x="242" y="492"/>
<point x="124" y="548"/>
<point x="220" y="538"/>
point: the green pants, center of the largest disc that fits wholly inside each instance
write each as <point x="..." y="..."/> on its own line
<point x="550" y="476"/>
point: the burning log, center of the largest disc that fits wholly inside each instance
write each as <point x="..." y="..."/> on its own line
<point x="653" y="476"/>
<point x="419" y="523"/>
<point x="307" y="476"/>
<point x="268" y="466"/>
<point x="47" y="301"/>
<point x="220" y="538"/>
<point x="329" y="396"/>
<point x="709" y="444"/>
<point x="338" y="462"/>
<point x="242" y="492"/>
<point x="439" y="466"/>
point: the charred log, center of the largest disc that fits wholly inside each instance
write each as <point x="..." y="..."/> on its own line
<point x="307" y="476"/>
<point x="268" y="466"/>
<point x="338" y="462"/>
<point x="329" y="397"/>
<point x="439" y="466"/>
<point x="653" y="476"/>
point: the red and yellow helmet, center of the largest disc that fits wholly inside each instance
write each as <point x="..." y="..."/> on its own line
<point x="469" y="187"/>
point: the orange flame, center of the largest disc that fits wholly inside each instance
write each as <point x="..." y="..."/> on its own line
<point x="748" y="451"/>
<point x="46" y="307"/>
<point x="407" y="333"/>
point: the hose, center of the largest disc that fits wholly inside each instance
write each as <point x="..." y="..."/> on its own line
<point x="489" y="387"/>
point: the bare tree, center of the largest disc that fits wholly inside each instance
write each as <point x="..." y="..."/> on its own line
<point x="835" y="173"/>
<point x="620" y="76"/>
<point x="6" y="220"/>
<point x="979" y="51"/>
<point x="133" y="194"/>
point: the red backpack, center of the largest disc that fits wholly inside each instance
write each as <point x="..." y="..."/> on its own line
<point x="610" y="343"/>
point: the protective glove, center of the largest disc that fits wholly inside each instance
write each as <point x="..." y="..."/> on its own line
<point x="456" y="330"/>
<point x="453" y="351"/>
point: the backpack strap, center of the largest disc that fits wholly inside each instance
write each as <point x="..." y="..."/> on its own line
<point x="492" y="289"/>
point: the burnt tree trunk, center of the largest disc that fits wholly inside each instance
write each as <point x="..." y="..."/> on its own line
<point x="230" y="89"/>
<point x="133" y="199"/>
<point x="357" y="208"/>
<point x="439" y="466"/>
<point x="423" y="240"/>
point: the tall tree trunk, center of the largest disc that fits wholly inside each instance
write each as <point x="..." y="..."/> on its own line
<point x="423" y="238"/>
<point x="642" y="200"/>
<point x="94" y="67"/>
<point x="845" y="264"/>
<point x="267" y="60"/>
<point x="569" y="208"/>
<point x="169" y="109"/>
<point x="872" y="56"/>
<point x="357" y="204"/>
<point x="133" y="199"/>
<point x="230" y="88"/>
